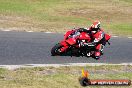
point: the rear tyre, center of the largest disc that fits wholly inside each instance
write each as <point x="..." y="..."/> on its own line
<point x="55" y="50"/>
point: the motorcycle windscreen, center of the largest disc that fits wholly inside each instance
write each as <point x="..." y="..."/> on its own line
<point x="71" y="41"/>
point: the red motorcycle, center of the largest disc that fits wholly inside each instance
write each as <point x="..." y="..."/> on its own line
<point x="71" y="44"/>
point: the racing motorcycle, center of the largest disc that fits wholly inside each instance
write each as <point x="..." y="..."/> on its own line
<point x="72" y="42"/>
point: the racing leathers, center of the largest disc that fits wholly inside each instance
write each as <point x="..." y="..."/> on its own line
<point x="97" y="38"/>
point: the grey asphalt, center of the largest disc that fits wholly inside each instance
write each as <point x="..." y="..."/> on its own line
<point x="18" y="48"/>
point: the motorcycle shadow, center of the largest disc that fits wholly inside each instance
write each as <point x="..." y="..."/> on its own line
<point x="71" y="54"/>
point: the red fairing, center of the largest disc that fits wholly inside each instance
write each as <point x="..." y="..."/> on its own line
<point x="63" y="43"/>
<point x="84" y="36"/>
<point x="65" y="46"/>
<point x="71" y="41"/>
<point x="67" y="34"/>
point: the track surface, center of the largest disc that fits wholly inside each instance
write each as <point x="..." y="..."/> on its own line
<point x="17" y="48"/>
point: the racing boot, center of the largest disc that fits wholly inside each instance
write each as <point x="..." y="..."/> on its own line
<point x="102" y="53"/>
<point x="97" y="55"/>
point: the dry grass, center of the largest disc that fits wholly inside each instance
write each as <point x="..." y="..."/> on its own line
<point x="61" y="15"/>
<point x="60" y="77"/>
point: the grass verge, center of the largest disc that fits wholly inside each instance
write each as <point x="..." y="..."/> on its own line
<point x="61" y="15"/>
<point x="60" y="77"/>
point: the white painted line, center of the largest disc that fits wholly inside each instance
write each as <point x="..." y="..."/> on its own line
<point x="29" y="31"/>
<point x="12" y="67"/>
<point x="126" y="64"/>
<point x="129" y="37"/>
<point x="115" y="36"/>
<point x="48" y="32"/>
<point x="6" y="30"/>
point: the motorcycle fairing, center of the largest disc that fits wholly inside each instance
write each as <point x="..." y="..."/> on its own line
<point x="71" y="41"/>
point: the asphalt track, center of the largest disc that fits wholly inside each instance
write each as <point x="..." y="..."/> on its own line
<point x="18" y="48"/>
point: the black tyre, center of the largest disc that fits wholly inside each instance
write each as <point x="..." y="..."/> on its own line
<point x="55" y="49"/>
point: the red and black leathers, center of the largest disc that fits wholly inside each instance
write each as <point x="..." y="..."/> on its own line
<point x="97" y="37"/>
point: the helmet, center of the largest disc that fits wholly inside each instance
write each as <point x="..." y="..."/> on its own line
<point x="95" y="26"/>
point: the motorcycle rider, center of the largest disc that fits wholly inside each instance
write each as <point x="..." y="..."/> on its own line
<point x="97" y="34"/>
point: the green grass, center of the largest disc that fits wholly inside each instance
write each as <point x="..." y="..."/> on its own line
<point x="61" y="15"/>
<point x="120" y="29"/>
<point x="60" y="77"/>
<point x="127" y="1"/>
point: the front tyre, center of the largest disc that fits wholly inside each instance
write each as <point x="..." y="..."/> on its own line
<point x="55" y="49"/>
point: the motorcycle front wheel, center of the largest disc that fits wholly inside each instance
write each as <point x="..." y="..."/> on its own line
<point x="55" y="49"/>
